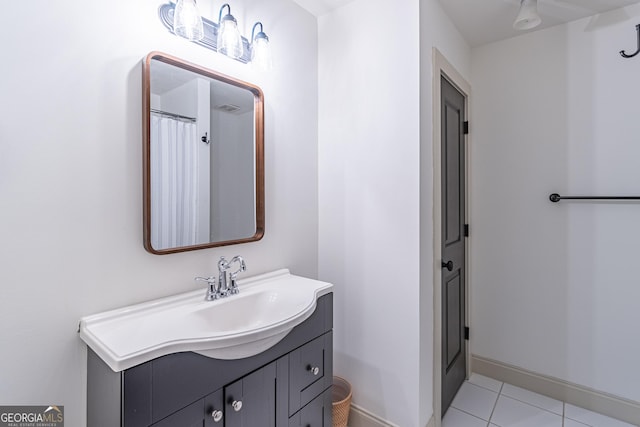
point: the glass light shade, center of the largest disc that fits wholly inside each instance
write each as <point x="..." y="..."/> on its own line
<point x="261" y="53"/>
<point x="229" y="39"/>
<point x="187" y="21"/>
<point x="528" y="16"/>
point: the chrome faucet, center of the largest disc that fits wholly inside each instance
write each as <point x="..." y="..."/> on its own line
<point x="224" y="287"/>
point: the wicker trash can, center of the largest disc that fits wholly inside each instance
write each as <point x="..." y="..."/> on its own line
<point x="341" y="399"/>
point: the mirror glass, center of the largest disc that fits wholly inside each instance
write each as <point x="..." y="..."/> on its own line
<point x="203" y="157"/>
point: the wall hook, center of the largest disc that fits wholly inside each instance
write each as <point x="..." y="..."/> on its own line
<point x="206" y="138"/>
<point x="624" y="54"/>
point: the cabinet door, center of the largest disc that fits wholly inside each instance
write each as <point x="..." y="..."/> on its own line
<point x="191" y="416"/>
<point x="316" y="414"/>
<point x="251" y="401"/>
<point x="214" y="410"/>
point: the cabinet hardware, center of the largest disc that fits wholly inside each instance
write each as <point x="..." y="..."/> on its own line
<point x="237" y="405"/>
<point x="313" y="369"/>
<point x="216" y="415"/>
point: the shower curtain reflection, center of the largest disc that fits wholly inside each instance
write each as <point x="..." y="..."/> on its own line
<point x="174" y="182"/>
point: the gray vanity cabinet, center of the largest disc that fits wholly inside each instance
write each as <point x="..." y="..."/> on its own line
<point x="288" y="385"/>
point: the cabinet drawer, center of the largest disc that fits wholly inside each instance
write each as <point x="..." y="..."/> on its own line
<point x="316" y="414"/>
<point x="310" y="371"/>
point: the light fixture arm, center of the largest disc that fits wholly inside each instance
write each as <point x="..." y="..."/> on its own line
<point x="221" y="9"/>
<point x="253" y="30"/>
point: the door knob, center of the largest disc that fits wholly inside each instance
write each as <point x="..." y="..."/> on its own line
<point x="448" y="265"/>
<point x="216" y="415"/>
<point x="313" y="369"/>
<point x="237" y="405"/>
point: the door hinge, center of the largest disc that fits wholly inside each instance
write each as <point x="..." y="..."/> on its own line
<point x="466" y="333"/>
<point x="465" y="128"/>
<point x="466" y="230"/>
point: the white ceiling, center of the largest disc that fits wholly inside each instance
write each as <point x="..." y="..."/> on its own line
<point x="320" y="7"/>
<point x="485" y="21"/>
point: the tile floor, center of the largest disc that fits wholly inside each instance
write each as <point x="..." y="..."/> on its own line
<point x="485" y="402"/>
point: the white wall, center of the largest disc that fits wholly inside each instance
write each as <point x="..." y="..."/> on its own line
<point x="203" y="124"/>
<point x="71" y="188"/>
<point x="369" y="192"/>
<point x="233" y="177"/>
<point x="554" y="285"/>
<point x="372" y="132"/>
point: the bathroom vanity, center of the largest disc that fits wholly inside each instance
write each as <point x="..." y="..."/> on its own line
<point x="287" y="384"/>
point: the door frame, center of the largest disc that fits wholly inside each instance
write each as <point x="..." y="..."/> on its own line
<point x="442" y="67"/>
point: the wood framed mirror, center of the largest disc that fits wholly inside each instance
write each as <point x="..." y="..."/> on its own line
<point x="203" y="157"/>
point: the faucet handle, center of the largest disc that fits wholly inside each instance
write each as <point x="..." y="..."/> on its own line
<point x="233" y="288"/>
<point x="242" y="266"/>
<point x="212" y="289"/>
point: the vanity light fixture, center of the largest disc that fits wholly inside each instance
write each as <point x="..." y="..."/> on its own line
<point x="528" y="16"/>
<point x="183" y="19"/>
<point x="260" y="49"/>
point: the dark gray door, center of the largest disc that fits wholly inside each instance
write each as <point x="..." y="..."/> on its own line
<point x="453" y="242"/>
<point x="251" y="401"/>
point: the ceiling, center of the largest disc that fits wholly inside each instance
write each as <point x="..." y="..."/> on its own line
<point x="486" y="21"/>
<point x="320" y="7"/>
<point x="166" y="77"/>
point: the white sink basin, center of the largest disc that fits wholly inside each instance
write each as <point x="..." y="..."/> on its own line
<point x="267" y="308"/>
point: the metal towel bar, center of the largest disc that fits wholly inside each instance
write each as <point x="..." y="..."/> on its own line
<point x="555" y="197"/>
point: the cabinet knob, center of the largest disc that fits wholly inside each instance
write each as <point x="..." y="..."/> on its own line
<point x="216" y="415"/>
<point x="313" y="369"/>
<point x="237" y="405"/>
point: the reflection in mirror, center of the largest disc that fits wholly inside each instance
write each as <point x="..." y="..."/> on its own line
<point x="203" y="157"/>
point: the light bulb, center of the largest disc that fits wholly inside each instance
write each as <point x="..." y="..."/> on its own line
<point x="229" y="41"/>
<point x="261" y="52"/>
<point x="187" y="21"/>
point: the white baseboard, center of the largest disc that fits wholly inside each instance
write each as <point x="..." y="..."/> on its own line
<point x="360" y="417"/>
<point x="575" y="394"/>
